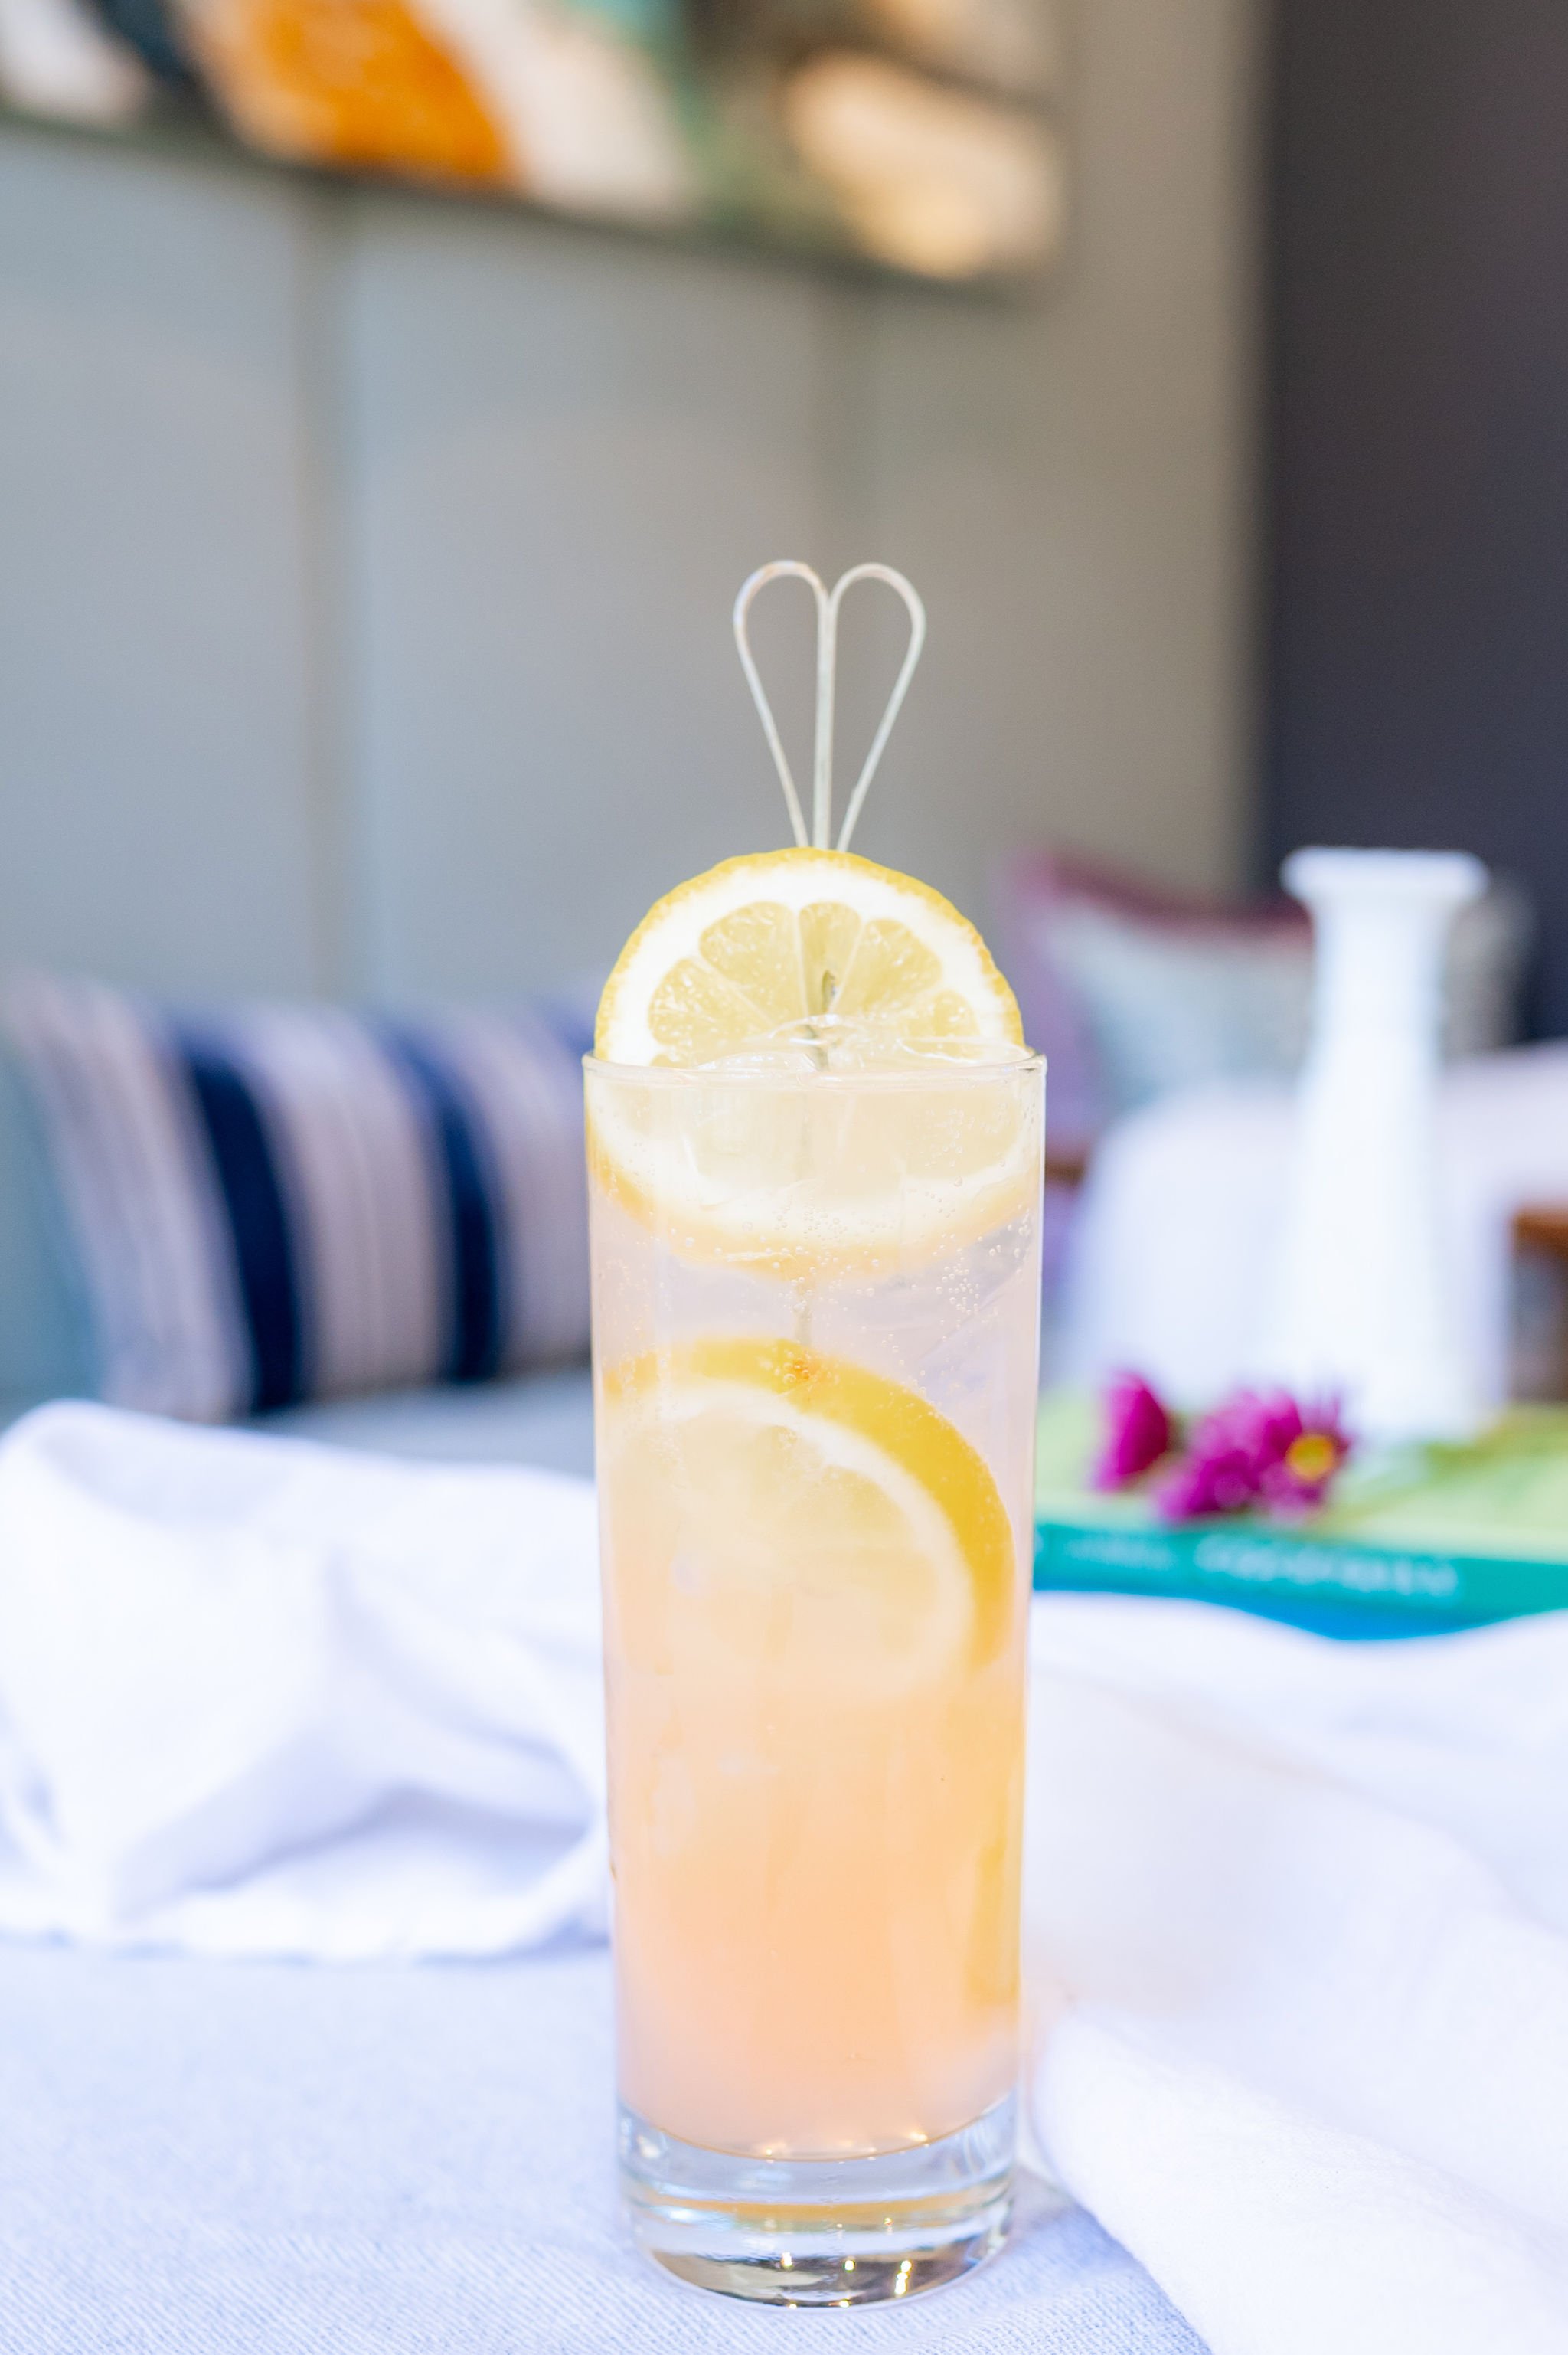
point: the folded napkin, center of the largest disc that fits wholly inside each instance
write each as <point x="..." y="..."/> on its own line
<point x="1297" y="1917"/>
<point x="259" y="1697"/>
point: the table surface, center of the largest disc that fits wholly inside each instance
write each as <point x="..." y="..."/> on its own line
<point x="218" y="2159"/>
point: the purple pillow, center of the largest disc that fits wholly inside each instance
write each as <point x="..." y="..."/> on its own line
<point x="1034" y="893"/>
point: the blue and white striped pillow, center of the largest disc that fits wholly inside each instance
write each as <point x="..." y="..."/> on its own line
<point x="272" y="1203"/>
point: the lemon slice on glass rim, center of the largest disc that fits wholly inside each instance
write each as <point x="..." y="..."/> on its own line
<point x="833" y="992"/>
<point x="789" y="1509"/>
<point x="761" y="947"/>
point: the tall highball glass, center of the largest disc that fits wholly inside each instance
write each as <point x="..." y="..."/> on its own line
<point x="816" y="1304"/>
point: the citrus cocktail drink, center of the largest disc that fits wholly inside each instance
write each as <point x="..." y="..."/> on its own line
<point x="815" y="1151"/>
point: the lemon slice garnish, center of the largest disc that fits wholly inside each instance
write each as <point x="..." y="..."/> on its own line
<point x="786" y="937"/>
<point x="794" y="1517"/>
<point x="742" y="968"/>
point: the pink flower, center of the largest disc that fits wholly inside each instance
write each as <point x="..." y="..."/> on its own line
<point x="1256" y="1449"/>
<point x="1138" y="1433"/>
<point x="1208" y="1481"/>
<point x="1299" y="1481"/>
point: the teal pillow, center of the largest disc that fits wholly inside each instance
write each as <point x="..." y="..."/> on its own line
<point x="46" y="1342"/>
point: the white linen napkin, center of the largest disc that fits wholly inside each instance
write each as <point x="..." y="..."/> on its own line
<point x="1296" y="1922"/>
<point x="1298" y="1912"/>
<point x="259" y="1697"/>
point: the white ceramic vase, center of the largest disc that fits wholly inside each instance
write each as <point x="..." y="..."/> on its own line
<point x="1363" y="1299"/>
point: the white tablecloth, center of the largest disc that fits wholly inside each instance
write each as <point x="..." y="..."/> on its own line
<point x="232" y="2159"/>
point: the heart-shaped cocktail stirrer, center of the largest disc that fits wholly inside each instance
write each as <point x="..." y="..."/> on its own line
<point x="828" y="602"/>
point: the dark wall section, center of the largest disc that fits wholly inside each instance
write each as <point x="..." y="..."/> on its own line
<point x="1419" y="647"/>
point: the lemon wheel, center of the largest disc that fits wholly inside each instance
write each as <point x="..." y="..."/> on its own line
<point x="761" y="944"/>
<point x="771" y="1164"/>
<point x="774" y="1507"/>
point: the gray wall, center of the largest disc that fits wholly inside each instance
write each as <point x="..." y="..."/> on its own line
<point x="365" y="560"/>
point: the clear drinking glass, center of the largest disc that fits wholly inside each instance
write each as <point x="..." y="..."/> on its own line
<point x="816" y="1349"/>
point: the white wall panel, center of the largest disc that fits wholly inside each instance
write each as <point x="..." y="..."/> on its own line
<point x="568" y="452"/>
<point x="1074" y="484"/>
<point x="156" y="784"/>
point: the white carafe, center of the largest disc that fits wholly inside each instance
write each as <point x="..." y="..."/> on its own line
<point x="1363" y="1300"/>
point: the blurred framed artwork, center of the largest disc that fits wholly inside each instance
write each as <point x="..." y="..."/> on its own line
<point x="922" y="135"/>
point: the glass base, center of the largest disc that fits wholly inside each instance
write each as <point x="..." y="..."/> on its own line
<point x="848" y="2232"/>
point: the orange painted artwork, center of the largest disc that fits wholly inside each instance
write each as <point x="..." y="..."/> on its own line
<point x="358" y="82"/>
<point x="926" y="137"/>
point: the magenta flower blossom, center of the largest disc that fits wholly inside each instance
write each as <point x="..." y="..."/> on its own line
<point x="1256" y="1449"/>
<point x="1138" y="1433"/>
<point x="1299" y="1481"/>
<point x="1211" y="1480"/>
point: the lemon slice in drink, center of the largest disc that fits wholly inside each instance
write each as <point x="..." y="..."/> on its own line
<point x="795" y="967"/>
<point x="762" y="943"/>
<point x="794" y="1519"/>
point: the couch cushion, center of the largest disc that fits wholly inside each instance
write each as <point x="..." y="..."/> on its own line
<point x="543" y="1419"/>
<point x="274" y="1203"/>
<point x="45" y="1340"/>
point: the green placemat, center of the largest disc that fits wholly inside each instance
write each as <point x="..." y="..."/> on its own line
<point x="1431" y="1537"/>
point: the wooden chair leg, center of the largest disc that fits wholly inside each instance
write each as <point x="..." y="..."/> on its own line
<point x="1541" y="1237"/>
